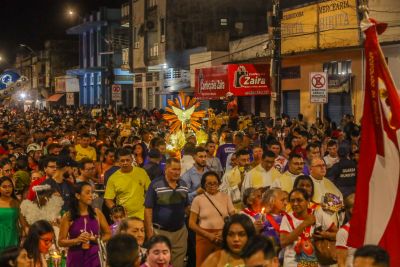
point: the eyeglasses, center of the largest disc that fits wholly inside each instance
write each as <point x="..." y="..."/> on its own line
<point x="6" y="170"/>
<point x="212" y="184"/>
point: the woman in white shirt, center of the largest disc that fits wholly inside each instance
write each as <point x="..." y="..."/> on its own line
<point x="298" y="229"/>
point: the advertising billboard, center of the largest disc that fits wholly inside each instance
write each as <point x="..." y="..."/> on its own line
<point x="249" y="79"/>
<point x="211" y="83"/>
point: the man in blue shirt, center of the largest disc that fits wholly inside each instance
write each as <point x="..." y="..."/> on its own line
<point x="166" y="204"/>
<point x="193" y="176"/>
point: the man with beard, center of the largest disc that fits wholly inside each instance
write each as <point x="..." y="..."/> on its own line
<point x="232" y="180"/>
<point x="295" y="168"/>
<point x="192" y="177"/>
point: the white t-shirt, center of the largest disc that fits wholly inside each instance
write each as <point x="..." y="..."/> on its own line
<point x="341" y="242"/>
<point x="322" y="220"/>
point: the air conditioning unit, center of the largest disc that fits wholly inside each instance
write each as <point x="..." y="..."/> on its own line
<point x="136" y="45"/>
<point x="162" y="38"/>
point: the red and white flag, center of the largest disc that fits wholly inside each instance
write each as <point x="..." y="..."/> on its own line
<point x="376" y="214"/>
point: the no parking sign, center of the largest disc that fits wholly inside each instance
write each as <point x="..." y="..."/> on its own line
<point x="318" y="87"/>
<point x="116" y="94"/>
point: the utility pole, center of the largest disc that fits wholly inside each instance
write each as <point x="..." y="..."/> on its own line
<point x="276" y="58"/>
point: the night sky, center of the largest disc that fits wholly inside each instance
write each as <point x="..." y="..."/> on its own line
<point x="32" y="22"/>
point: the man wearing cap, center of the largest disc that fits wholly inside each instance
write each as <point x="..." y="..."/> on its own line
<point x="153" y="167"/>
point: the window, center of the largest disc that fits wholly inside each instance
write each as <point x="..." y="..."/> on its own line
<point x="151" y="3"/>
<point x="154" y="50"/>
<point x="157" y="98"/>
<point x="291" y="72"/>
<point x="138" y="78"/>
<point x="150" y="98"/>
<point x="162" y="26"/>
<point x="224" y="22"/>
<point x="337" y="67"/>
<point x="149" y="77"/>
<point x="156" y="76"/>
<point x="139" y="99"/>
<point x="99" y="78"/>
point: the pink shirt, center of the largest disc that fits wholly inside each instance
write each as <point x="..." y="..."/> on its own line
<point x="209" y="218"/>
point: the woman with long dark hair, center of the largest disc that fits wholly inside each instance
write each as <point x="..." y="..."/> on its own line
<point x="81" y="227"/>
<point x="38" y="242"/>
<point x="139" y="153"/>
<point x="236" y="233"/>
<point x="9" y="214"/>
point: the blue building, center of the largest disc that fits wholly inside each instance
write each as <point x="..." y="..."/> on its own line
<point x="100" y="36"/>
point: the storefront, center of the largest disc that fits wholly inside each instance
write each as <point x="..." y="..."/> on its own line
<point x="249" y="82"/>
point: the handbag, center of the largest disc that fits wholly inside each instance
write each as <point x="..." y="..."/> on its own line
<point x="325" y="250"/>
<point x="226" y="218"/>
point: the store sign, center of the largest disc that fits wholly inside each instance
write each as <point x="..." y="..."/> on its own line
<point x="328" y="24"/>
<point x="211" y="83"/>
<point x="338" y="23"/>
<point x="66" y="84"/>
<point x="299" y="29"/>
<point x="116" y="92"/>
<point x="318" y="87"/>
<point x="249" y="79"/>
<point x="239" y="79"/>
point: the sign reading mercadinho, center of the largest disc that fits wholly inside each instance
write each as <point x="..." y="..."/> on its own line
<point x="328" y="24"/>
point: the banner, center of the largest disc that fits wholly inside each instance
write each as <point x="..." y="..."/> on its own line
<point x="249" y="79"/>
<point x="376" y="212"/>
<point x="211" y="83"/>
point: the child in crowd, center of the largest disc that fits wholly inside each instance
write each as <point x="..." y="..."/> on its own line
<point x="117" y="215"/>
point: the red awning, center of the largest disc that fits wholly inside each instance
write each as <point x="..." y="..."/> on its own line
<point x="54" y="98"/>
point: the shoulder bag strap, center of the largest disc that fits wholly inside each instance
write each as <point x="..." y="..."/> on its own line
<point x="205" y="194"/>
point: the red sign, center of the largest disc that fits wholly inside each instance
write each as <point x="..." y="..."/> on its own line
<point x="239" y="79"/>
<point x="211" y="83"/>
<point x="249" y="79"/>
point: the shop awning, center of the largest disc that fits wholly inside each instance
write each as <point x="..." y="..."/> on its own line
<point x="54" y="98"/>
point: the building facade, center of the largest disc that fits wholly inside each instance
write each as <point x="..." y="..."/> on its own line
<point x="315" y="38"/>
<point x="43" y="66"/>
<point x="101" y="39"/>
<point x="166" y="32"/>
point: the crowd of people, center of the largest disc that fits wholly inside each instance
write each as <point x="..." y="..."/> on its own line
<point x="89" y="187"/>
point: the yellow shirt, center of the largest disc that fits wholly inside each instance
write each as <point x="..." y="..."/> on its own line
<point x="88" y="152"/>
<point x="129" y="190"/>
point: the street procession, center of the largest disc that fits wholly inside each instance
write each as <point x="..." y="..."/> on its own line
<point x="155" y="133"/>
